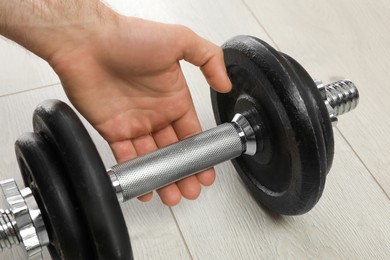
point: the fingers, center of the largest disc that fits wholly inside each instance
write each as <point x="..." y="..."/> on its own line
<point x="207" y="56"/>
<point x="187" y="126"/>
<point x="147" y="197"/>
<point x="171" y="194"/>
<point x="207" y="177"/>
<point x="123" y="151"/>
<point x="143" y="145"/>
<point x="190" y="186"/>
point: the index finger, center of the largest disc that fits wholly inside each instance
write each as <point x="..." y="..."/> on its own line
<point x="209" y="57"/>
<point x="188" y="125"/>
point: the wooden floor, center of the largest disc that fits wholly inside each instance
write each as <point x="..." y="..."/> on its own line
<point x="332" y="39"/>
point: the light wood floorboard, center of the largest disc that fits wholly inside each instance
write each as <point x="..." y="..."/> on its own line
<point x="20" y="70"/>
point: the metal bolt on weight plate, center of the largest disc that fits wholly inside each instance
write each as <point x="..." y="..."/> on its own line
<point x="340" y="97"/>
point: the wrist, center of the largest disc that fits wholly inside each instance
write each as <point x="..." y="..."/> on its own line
<point x="52" y="28"/>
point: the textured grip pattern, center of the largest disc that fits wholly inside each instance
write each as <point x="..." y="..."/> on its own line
<point x="172" y="163"/>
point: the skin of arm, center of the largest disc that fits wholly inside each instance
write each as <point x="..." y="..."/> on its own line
<point x="122" y="74"/>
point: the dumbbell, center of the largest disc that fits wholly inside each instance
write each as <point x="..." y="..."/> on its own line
<point x="275" y="125"/>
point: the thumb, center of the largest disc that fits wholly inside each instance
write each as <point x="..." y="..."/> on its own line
<point x="209" y="57"/>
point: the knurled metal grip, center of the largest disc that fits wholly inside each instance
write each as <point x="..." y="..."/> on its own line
<point x="177" y="161"/>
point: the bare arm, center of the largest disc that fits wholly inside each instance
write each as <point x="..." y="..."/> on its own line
<point x="45" y="27"/>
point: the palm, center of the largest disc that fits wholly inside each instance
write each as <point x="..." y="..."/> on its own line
<point x="138" y="100"/>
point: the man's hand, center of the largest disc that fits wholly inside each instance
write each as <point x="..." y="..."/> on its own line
<point x="123" y="75"/>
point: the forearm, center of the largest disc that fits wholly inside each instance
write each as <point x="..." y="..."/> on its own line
<point x="44" y="27"/>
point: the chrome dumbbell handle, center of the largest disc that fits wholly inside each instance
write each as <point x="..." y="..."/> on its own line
<point x="143" y="174"/>
<point x="225" y="142"/>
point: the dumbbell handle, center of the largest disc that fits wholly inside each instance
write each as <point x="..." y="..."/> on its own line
<point x="146" y="173"/>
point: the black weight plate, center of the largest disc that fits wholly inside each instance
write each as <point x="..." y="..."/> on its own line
<point x="42" y="171"/>
<point x="61" y="127"/>
<point x="319" y="108"/>
<point x="292" y="181"/>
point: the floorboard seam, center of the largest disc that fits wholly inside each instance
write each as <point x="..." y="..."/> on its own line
<point x="261" y="25"/>
<point x="31" y="89"/>
<point x="181" y="234"/>
<point x="364" y="164"/>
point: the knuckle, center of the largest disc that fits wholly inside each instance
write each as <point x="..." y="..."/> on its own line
<point x="219" y="52"/>
<point x="184" y="36"/>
